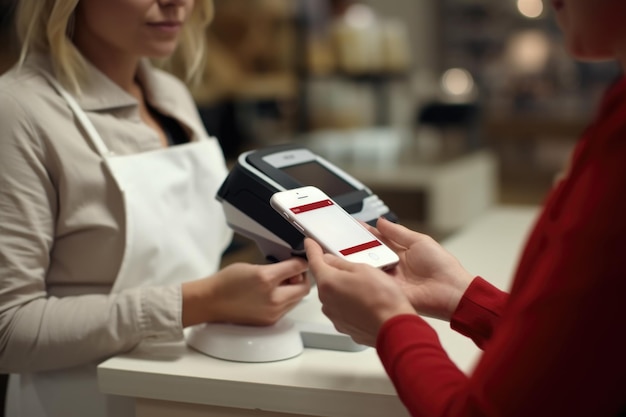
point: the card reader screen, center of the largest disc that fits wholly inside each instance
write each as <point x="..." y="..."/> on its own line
<point x="313" y="173"/>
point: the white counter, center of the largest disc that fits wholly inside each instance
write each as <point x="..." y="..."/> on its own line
<point x="177" y="381"/>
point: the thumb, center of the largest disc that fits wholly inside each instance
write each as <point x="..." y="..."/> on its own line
<point x="286" y="269"/>
<point x="313" y="250"/>
<point x="318" y="260"/>
<point x="397" y="233"/>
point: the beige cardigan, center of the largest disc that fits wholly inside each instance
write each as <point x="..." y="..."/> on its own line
<point x="61" y="221"/>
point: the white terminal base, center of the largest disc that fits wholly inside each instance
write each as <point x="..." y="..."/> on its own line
<point x="304" y="326"/>
<point x="247" y="343"/>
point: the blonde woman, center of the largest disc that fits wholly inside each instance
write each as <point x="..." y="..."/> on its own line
<point x="110" y="234"/>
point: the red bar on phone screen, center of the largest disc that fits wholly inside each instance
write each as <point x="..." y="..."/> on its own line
<point x="311" y="206"/>
<point x="359" y="248"/>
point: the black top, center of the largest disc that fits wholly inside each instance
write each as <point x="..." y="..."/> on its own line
<point x="174" y="132"/>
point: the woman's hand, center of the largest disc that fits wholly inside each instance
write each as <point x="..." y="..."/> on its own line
<point x="357" y="298"/>
<point x="432" y="279"/>
<point x="246" y="294"/>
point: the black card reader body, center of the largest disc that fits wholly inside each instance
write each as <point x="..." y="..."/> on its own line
<point x="258" y="174"/>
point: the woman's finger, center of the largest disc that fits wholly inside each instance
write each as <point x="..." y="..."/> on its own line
<point x="288" y="268"/>
<point x="292" y="294"/>
<point x="397" y="233"/>
<point x="338" y="263"/>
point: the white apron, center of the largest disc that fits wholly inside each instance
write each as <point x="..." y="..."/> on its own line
<point x="175" y="231"/>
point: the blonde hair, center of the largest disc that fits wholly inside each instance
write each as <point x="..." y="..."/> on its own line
<point x="46" y="26"/>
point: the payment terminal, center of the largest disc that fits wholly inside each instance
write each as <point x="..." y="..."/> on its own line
<point x="258" y="174"/>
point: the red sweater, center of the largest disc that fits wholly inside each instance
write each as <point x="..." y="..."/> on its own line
<point x="556" y="346"/>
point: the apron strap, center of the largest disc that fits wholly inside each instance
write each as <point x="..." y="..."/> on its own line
<point x="92" y="133"/>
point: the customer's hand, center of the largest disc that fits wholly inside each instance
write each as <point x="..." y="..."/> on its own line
<point x="246" y="294"/>
<point x="432" y="279"/>
<point x="357" y="298"/>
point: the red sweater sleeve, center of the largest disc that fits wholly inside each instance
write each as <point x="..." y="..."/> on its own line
<point x="561" y="355"/>
<point x="479" y="311"/>
<point x="424" y="376"/>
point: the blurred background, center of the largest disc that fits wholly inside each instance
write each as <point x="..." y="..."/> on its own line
<point x="443" y="107"/>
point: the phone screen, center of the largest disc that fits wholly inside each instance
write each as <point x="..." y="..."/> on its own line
<point x="339" y="230"/>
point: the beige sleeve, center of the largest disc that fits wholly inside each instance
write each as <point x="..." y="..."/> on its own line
<point x="37" y="331"/>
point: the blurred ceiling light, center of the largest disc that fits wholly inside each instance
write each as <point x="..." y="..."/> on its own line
<point x="457" y="82"/>
<point x="530" y="8"/>
<point x="528" y="52"/>
<point x="360" y="16"/>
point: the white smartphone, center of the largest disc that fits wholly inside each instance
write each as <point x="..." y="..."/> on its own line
<point x="317" y="216"/>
